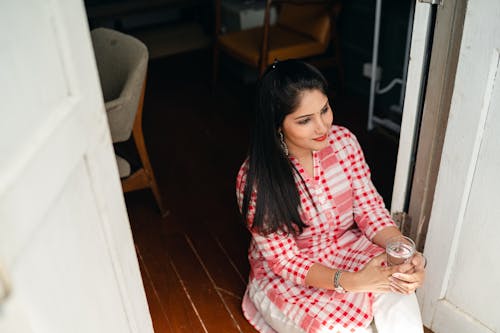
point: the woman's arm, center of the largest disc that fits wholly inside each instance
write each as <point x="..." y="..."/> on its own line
<point x="369" y="210"/>
<point x="372" y="278"/>
<point x="384" y="235"/>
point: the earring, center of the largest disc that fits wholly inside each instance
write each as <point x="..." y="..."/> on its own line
<point x="283" y="143"/>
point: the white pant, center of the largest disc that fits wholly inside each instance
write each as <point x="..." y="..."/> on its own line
<point x="392" y="313"/>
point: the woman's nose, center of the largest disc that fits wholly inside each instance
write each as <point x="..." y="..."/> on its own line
<point x="321" y="126"/>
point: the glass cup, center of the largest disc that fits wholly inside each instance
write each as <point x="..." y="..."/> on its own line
<point x="399" y="250"/>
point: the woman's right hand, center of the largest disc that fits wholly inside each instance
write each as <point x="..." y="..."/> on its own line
<point x="374" y="277"/>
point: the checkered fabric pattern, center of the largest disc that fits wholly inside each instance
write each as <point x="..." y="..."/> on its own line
<point x="348" y="213"/>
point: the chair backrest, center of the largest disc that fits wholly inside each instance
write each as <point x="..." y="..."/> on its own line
<point x="122" y="62"/>
<point x="312" y="20"/>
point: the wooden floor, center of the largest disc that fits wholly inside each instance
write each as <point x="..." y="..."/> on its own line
<point x="193" y="262"/>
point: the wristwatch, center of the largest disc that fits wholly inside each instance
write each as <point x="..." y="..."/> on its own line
<point x="336" y="282"/>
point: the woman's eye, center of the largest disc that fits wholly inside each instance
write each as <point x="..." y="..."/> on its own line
<point x="303" y="121"/>
<point x="325" y="110"/>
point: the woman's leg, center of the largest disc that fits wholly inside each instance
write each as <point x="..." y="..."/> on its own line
<point x="271" y="313"/>
<point x="396" y="313"/>
<point x="280" y="322"/>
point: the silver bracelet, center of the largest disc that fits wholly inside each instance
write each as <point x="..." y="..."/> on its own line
<point x="336" y="282"/>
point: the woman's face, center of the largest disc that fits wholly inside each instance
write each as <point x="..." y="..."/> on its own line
<point x="306" y="129"/>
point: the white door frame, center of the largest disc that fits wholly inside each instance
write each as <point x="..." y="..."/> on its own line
<point x="465" y="208"/>
<point x="439" y="91"/>
<point x="412" y="105"/>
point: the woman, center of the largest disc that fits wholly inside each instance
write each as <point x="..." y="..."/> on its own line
<point x="319" y="227"/>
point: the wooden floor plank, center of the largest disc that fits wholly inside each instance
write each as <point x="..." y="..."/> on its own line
<point x="160" y="320"/>
<point x="179" y="308"/>
<point x="182" y="312"/>
<point x="199" y="286"/>
<point x="235" y="240"/>
<point x="234" y="304"/>
<point x="176" y="304"/>
<point x="217" y="262"/>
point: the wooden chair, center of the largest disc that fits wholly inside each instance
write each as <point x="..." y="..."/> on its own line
<point x="143" y="177"/>
<point x="122" y="65"/>
<point x="304" y="29"/>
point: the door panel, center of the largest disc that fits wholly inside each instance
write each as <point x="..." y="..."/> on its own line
<point x="65" y="239"/>
<point x="32" y="29"/>
<point x="59" y="258"/>
<point x="478" y="250"/>
<point x="38" y="175"/>
<point x="460" y="294"/>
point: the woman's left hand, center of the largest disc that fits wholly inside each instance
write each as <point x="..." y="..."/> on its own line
<point x="408" y="281"/>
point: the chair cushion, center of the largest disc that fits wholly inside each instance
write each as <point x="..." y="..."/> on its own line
<point x="122" y="62"/>
<point x="283" y="44"/>
<point x="124" y="169"/>
<point x="310" y="20"/>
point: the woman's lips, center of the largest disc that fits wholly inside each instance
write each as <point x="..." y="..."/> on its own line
<point x="321" y="138"/>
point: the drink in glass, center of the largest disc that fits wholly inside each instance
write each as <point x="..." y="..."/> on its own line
<point x="399" y="250"/>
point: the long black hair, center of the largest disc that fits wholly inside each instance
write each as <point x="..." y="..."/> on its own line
<point x="270" y="172"/>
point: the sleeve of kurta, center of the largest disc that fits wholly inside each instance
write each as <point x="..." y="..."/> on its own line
<point x="278" y="249"/>
<point x="283" y="256"/>
<point x="370" y="213"/>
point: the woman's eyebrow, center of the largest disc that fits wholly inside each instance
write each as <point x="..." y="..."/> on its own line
<point x="308" y="115"/>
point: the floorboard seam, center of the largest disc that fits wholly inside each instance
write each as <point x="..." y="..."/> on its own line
<point x="213" y="282"/>
<point x="228" y="292"/>
<point x="146" y="272"/>
<point x="188" y="296"/>
<point x="229" y="258"/>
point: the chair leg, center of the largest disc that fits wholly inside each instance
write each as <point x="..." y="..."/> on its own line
<point x="146" y="164"/>
<point x="144" y="156"/>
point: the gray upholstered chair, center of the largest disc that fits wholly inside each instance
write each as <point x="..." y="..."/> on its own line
<point x="122" y="62"/>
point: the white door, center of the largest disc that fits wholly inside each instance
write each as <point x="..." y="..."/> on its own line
<point x="461" y="293"/>
<point x="65" y="243"/>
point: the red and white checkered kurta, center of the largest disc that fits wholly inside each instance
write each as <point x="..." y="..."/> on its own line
<point x="349" y="213"/>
